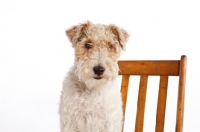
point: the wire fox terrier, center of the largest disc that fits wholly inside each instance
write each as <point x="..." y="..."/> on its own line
<point x="91" y="100"/>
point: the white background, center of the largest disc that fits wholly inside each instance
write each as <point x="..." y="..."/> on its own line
<point x="35" y="55"/>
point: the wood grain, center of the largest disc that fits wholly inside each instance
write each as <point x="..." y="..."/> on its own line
<point x="124" y="90"/>
<point x="141" y="104"/>
<point x="164" y="68"/>
<point x="181" y="94"/>
<point x="161" y="106"/>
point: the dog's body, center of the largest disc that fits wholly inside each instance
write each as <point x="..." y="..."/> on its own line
<point x="91" y="99"/>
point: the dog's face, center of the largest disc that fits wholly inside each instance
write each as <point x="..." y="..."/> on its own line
<point x="97" y="49"/>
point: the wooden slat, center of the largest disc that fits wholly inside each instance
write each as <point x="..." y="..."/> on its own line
<point x="162" y="96"/>
<point x="141" y="103"/>
<point x="124" y="90"/>
<point x="164" y="68"/>
<point x="181" y="94"/>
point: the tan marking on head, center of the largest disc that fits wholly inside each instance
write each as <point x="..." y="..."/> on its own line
<point x="105" y="48"/>
<point x="76" y="33"/>
<point x="121" y="35"/>
<point x="114" y="52"/>
<point x="113" y="49"/>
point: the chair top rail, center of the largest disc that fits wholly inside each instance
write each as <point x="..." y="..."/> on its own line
<point x="149" y="67"/>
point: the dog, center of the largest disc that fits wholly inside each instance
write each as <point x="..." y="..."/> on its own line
<point x="90" y="100"/>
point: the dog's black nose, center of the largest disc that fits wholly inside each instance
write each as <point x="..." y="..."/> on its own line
<point x="98" y="70"/>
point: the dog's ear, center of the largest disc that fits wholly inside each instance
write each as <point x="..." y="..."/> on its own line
<point x="76" y="33"/>
<point x="121" y="35"/>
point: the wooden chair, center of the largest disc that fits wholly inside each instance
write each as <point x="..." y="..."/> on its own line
<point x="164" y="69"/>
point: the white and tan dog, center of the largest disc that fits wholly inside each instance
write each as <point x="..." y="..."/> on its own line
<point x="91" y="99"/>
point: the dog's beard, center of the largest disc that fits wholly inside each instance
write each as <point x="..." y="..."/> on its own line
<point x="84" y="72"/>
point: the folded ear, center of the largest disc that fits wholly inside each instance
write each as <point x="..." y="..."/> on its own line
<point x="75" y="33"/>
<point x="121" y="35"/>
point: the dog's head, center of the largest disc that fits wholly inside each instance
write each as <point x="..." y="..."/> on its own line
<point x="97" y="49"/>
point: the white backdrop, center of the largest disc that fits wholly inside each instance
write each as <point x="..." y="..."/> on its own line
<point x="35" y="55"/>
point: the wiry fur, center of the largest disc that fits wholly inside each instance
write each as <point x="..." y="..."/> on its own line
<point x="88" y="104"/>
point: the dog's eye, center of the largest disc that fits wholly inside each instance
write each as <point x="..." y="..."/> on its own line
<point x="88" y="46"/>
<point x="110" y="46"/>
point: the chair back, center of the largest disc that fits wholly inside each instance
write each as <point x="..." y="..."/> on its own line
<point x="164" y="69"/>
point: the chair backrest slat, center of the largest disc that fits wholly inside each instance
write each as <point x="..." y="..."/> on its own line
<point x="141" y="103"/>
<point x="164" y="69"/>
<point x="124" y="89"/>
<point x="162" y="97"/>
